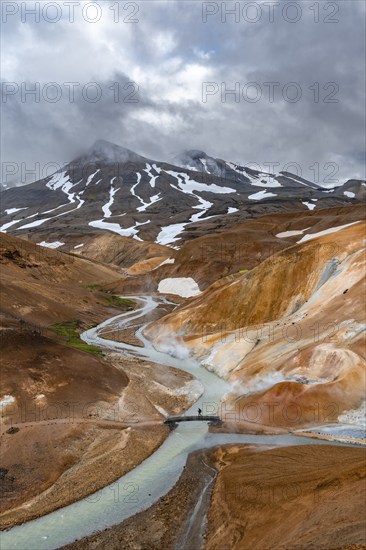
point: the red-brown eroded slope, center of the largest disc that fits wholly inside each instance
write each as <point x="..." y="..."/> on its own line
<point x="242" y="246"/>
<point x="288" y="498"/>
<point x="288" y="335"/>
<point x="42" y="286"/>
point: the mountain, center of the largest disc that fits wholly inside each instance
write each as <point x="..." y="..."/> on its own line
<point x="110" y="188"/>
<point x="62" y="415"/>
<point x="289" y="332"/>
<point x="43" y="286"/>
<point x="245" y="245"/>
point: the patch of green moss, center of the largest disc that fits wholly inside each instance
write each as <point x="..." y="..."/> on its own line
<point x="243" y="270"/>
<point x="70" y="332"/>
<point x="123" y="303"/>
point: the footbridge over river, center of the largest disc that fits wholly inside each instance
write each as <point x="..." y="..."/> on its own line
<point x="173" y="420"/>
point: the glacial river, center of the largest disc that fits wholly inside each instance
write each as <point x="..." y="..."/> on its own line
<point x="155" y="476"/>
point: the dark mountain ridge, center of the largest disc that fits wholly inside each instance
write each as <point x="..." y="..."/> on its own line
<point x="111" y="188"/>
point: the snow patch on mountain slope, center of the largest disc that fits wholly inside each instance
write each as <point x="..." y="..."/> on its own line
<point x="187" y="185"/>
<point x="6" y="226"/>
<point x="264" y="180"/>
<point x="182" y="286"/>
<point x="165" y="262"/>
<point x="153" y="199"/>
<point x="61" y="181"/>
<point x="133" y="231"/>
<point x="285" y="234"/>
<point x="299" y="180"/>
<point x="133" y="192"/>
<point x="40" y="222"/>
<point x="231" y="210"/>
<point x="203" y="206"/>
<point x="349" y="194"/>
<point x="33" y="224"/>
<point x="9" y="211"/>
<point x="204" y="162"/>
<point x="149" y="169"/>
<point x="325" y="232"/>
<point x="169" y="234"/>
<point x="239" y="169"/>
<point x="54" y="244"/>
<point x="116" y="228"/>
<point x="100" y="224"/>
<point x="261" y="195"/>
<point x="106" y="208"/>
<point x="310" y="205"/>
<point x="54" y="209"/>
<point x="81" y="202"/>
<point x="91" y="177"/>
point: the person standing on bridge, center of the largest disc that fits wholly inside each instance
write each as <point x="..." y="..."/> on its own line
<point x="199" y="412"/>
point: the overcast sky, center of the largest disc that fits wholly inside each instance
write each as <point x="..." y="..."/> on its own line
<point x="152" y="63"/>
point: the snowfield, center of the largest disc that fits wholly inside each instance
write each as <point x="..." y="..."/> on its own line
<point x="116" y="228"/>
<point x="107" y="207"/>
<point x="261" y="195"/>
<point x="325" y="232"/>
<point x="182" y="286"/>
<point x="262" y="180"/>
<point x="165" y="262"/>
<point x="187" y="185"/>
<point x="55" y="244"/>
<point x="310" y="205"/>
<point x="91" y="177"/>
<point x="13" y="210"/>
<point x="33" y="224"/>
<point x="285" y="234"/>
<point x="149" y="169"/>
<point x="153" y="199"/>
<point x="5" y="226"/>
<point x="169" y="234"/>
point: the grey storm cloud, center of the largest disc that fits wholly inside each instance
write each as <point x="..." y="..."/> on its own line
<point x="153" y="71"/>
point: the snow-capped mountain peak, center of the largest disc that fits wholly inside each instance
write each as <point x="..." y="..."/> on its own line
<point x="115" y="189"/>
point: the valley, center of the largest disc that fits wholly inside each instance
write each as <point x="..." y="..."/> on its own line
<point x="159" y="291"/>
<point x="183" y="275"/>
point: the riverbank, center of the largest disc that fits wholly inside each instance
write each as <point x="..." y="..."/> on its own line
<point x="74" y="443"/>
<point x="103" y="454"/>
<point x="157" y="476"/>
<point x="308" y="497"/>
<point x="163" y="524"/>
<point x="347" y="440"/>
<point x="120" y="434"/>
